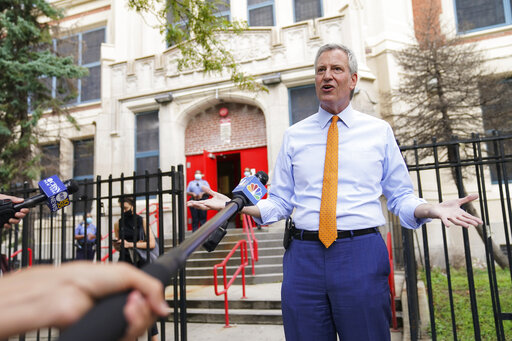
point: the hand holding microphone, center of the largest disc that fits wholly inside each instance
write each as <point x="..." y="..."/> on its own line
<point x="53" y="191"/>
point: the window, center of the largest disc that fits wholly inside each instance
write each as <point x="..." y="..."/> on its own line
<point x="50" y="160"/>
<point x="474" y="15"/>
<point x="147" y="156"/>
<point x="303" y="102"/>
<point x="307" y="9"/>
<point x="223" y="8"/>
<point x="85" y="48"/>
<point x="83" y="172"/>
<point x="261" y="12"/>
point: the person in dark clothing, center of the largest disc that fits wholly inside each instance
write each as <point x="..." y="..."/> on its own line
<point x="130" y="233"/>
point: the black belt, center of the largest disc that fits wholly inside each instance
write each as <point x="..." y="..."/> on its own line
<point x="313" y="235"/>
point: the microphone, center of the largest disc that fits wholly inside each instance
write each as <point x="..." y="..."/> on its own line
<point x="250" y="190"/>
<point x="54" y="193"/>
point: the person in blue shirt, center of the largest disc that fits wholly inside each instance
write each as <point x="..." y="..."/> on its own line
<point x="85" y="236"/>
<point x="196" y="192"/>
<point x="340" y="289"/>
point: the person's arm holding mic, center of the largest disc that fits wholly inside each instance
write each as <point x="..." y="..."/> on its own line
<point x="18" y="215"/>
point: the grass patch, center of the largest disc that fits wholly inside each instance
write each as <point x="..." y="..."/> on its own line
<point x="462" y="304"/>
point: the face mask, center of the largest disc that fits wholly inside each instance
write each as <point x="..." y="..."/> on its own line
<point x="127" y="214"/>
<point x="198" y="176"/>
<point x="89" y="220"/>
<point x="247" y="173"/>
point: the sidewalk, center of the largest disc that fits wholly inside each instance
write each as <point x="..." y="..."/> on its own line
<point x="245" y="332"/>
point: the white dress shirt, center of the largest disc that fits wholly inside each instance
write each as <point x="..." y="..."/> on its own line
<point x="369" y="164"/>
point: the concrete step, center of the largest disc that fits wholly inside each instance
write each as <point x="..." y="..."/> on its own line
<point x="210" y="262"/>
<point x="262" y="250"/>
<point x="259" y="269"/>
<point x="233" y="303"/>
<point x="249" y="279"/>
<point x="236" y="316"/>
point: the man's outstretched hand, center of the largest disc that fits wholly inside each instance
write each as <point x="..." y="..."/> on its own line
<point x="216" y="202"/>
<point x="450" y="212"/>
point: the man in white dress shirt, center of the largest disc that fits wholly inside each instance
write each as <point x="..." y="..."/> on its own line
<point x="340" y="287"/>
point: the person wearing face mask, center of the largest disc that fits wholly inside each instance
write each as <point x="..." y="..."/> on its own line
<point x="85" y="235"/>
<point x="247" y="172"/>
<point x="195" y="191"/>
<point x="130" y="233"/>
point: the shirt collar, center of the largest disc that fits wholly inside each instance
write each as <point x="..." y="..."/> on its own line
<point x="346" y="116"/>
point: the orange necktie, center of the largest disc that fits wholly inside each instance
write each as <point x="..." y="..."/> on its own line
<point x="327" y="231"/>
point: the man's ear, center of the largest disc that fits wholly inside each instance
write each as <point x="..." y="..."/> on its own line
<point x="354" y="77"/>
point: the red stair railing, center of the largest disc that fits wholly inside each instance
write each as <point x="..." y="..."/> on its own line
<point x="391" y="281"/>
<point x="242" y="245"/>
<point x="14" y="254"/>
<point x="248" y="226"/>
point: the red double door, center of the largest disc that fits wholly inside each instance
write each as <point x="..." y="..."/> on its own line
<point x="223" y="170"/>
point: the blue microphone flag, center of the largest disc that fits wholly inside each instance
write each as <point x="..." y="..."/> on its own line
<point x="56" y="192"/>
<point x="251" y="188"/>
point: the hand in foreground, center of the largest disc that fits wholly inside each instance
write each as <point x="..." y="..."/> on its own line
<point x="45" y="296"/>
<point x="450" y="212"/>
<point x="18" y="215"/>
<point x="216" y="202"/>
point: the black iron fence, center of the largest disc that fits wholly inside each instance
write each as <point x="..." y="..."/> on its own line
<point x="442" y="171"/>
<point x="46" y="237"/>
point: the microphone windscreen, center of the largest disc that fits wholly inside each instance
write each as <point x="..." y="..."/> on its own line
<point x="262" y="176"/>
<point x="72" y="186"/>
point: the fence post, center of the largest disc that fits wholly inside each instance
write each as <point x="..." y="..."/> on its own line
<point x="411" y="282"/>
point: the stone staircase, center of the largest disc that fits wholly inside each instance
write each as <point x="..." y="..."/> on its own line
<point x="268" y="268"/>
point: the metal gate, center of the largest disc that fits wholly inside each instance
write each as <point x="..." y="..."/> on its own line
<point x="46" y="237"/>
<point x="454" y="168"/>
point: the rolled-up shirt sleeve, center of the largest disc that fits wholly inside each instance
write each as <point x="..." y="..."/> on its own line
<point x="397" y="186"/>
<point x="278" y="205"/>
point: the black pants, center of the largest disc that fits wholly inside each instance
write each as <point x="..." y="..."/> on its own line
<point x="198" y="218"/>
<point x="81" y="252"/>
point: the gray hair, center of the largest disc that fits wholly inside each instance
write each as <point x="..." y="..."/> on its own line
<point x="352" y="61"/>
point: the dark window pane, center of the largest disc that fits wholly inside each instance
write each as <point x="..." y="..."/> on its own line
<point x="303" y="102"/>
<point x="262" y="16"/>
<point x="68" y="47"/>
<point x="472" y="14"/>
<point x="67" y="90"/>
<point x="147" y="132"/>
<point x="91" y="47"/>
<point x="307" y="9"/>
<point x="91" y="85"/>
<point x="84" y="196"/>
<point x="150" y="164"/>
<point x="83" y="158"/>
<point x="50" y="160"/>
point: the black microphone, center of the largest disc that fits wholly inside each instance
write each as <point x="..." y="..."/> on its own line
<point x="8" y="208"/>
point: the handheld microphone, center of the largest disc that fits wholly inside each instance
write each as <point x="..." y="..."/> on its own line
<point x="250" y="189"/>
<point x="54" y="193"/>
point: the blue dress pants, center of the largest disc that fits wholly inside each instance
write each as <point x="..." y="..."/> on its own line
<point x="340" y="290"/>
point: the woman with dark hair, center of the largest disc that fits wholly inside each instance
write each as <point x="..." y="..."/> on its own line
<point x="131" y="234"/>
